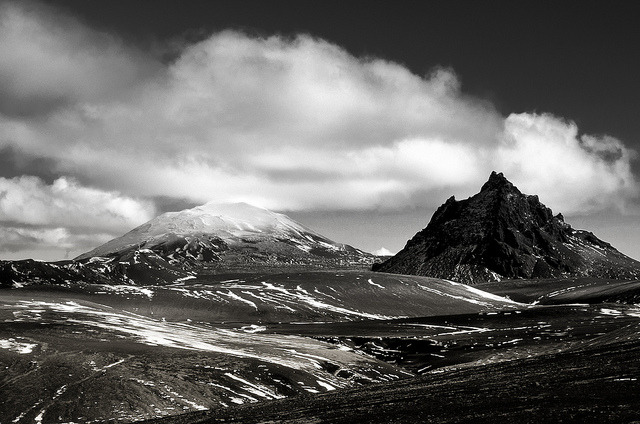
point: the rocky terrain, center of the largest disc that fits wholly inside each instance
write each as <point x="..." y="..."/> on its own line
<point x="594" y="383"/>
<point x="501" y="233"/>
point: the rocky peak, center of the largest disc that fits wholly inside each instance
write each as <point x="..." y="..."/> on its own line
<point x="497" y="181"/>
<point x="502" y="233"/>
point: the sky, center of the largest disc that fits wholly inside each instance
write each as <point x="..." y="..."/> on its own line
<point x="358" y="119"/>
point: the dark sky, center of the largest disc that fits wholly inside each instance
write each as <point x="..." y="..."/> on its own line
<point x="576" y="59"/>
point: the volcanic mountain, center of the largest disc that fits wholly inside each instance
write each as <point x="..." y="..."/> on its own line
<point x="210" y="238"/>
<point x="501" y="233"/>
<point x="228" y="235"/>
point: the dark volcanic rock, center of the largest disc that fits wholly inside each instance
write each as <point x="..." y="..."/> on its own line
<point x="501" y="233"/>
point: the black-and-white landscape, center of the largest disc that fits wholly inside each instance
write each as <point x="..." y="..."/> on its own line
<point x="261" y="212"/>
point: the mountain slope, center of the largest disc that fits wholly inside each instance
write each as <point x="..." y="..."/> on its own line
<point x="501" y="233"/>
<point x="590" y="384"/>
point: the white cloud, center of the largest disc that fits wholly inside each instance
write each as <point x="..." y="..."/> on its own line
<point x="18" y="242"/>
<point x="17" y="238"/>
<point x="50" y="221"/>
<point x="383" y="251"/>
<point x="65" y="203"/>
<point x="289" y="123"/>
<point x="573" y="173"/>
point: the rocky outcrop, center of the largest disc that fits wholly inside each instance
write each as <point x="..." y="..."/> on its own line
<point x="501" y="233"/>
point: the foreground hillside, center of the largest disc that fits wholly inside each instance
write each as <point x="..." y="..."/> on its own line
<point x="595" y="382"/>
<point x="100" y="352"/>
<point x="120" y="353"/>
<point x="65" y="360"/>
<point x="125" y="353"/>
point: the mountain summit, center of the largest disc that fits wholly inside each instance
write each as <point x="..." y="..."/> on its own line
<point x="501" y="233"/>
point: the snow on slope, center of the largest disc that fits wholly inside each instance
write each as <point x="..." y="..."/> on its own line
<point x="315" y="296"/>
<point x="88" y="362"/>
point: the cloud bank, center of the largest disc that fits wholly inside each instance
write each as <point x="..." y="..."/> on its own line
<point x="64" y="215"/>
<point x="291" y="123"/>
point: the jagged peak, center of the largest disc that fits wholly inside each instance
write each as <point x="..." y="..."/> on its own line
<point x="497" y="180"/>
<point x="502" y="233"/>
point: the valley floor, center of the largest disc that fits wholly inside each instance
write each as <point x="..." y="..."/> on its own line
<point x="317" y="347"/>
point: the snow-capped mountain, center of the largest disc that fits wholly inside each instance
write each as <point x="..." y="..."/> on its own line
<point x="228" y="236"/>
<point x="209" y="238"/>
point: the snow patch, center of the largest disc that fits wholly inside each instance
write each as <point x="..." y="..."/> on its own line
<point x="188" y="277"/>
<point x="327" y="386"/>
<point x="383" y="251"/>
<point x="16" y="346"/>
<point x="234" y="296"/>
<point x="125" y="289"/>
<point x="310" y="300"/>
<point x="253" y="328"/>
<point x="370" y="281"/>
<point x="258" y="390"/>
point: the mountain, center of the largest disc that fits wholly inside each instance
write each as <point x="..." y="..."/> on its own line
<point x="501" y="233"/>
<point x="177" y="245"/>
<point x="226" y="235"/>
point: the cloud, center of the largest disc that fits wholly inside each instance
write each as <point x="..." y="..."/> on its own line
<point x="14" y="162"/>
<point x="51" y="60"/>
<point x="573" y="173"/>
<point x="29" y="201"/>
<point x="291" y="123"/>
<point x="19" y="242"/>
<point x="15" y="239"/>
<point x="383" y="251"/>
<point x="52" y="220"/>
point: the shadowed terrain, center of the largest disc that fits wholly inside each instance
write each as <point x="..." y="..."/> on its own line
<point x="567" y="290"/>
